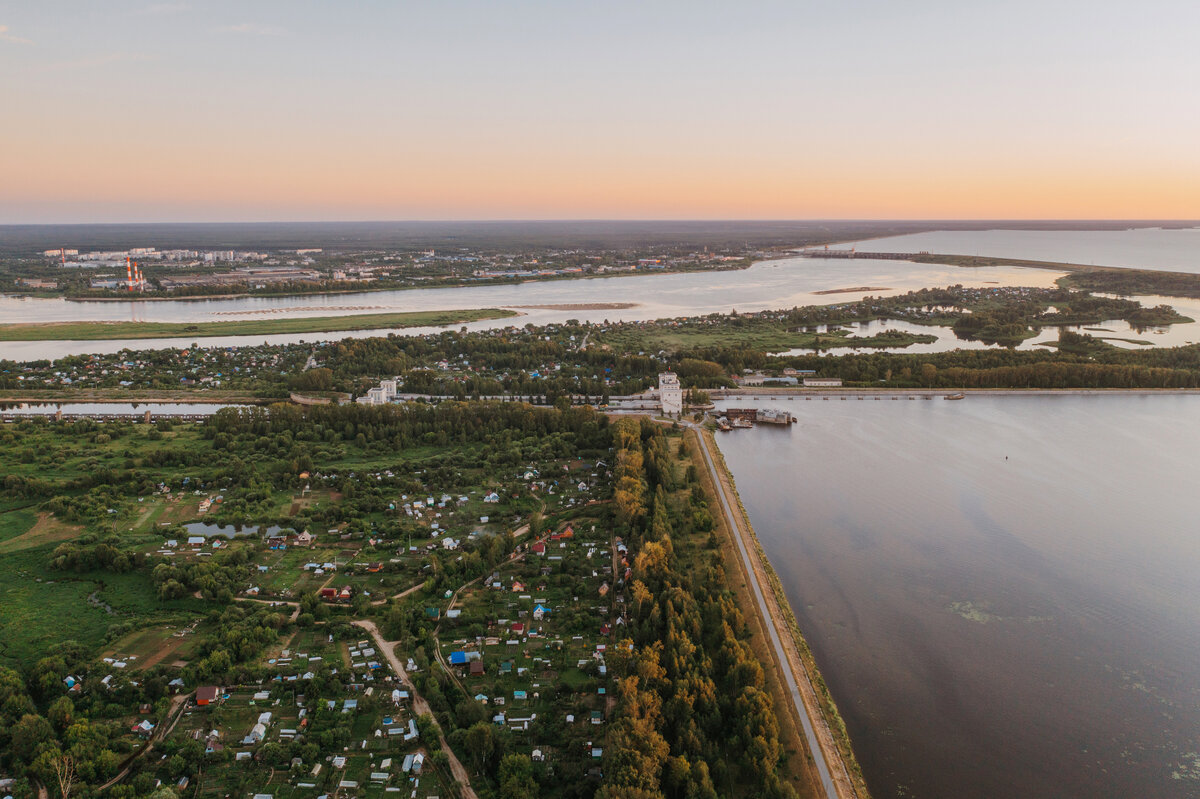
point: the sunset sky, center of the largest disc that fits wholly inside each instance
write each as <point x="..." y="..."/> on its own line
<point x="505" y="109"/>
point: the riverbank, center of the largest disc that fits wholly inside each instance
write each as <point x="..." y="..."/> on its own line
<point x="579" y="306"/>
<point x="92" y="331"/>
<point x="743" y="263"/>
<point x="932" y="393"/>
<point x="1089" y="277"/>
<point x="811" y="712"/>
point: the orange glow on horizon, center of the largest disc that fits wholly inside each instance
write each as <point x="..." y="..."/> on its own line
<point x="186" y="177"/>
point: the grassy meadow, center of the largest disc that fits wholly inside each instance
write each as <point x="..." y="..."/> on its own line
<point x="89" y="331"/>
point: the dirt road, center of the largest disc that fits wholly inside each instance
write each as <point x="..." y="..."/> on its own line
<point x="295" y="606"/>
<point x="419" y="704"/>
<point x="178" y="703"/>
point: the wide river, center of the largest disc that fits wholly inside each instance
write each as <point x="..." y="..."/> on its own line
<point x="1003" y="593"/>
<point x="782" y="283"/>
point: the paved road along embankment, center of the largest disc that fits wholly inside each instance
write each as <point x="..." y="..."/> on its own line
<point x="835" y="781"/>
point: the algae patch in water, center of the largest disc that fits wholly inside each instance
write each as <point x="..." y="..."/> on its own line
<point x="1188" y="770"/>
<point x="979" y="613"/>
<point x="972" y="612"/>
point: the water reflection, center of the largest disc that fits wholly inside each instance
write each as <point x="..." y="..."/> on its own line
<point x="50" y="408"/>
<point x="1003" y="592"/>
<point x="782" y="283"/>
<point x="1175" y="250"/>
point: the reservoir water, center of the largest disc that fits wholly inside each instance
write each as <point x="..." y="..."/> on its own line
<point x="1172" y="250"/>
<point x="1003" y="593"/>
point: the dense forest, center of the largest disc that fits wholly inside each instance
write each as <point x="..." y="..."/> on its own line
<point x="1135" y="281"/>
<point x="693" y="718"/>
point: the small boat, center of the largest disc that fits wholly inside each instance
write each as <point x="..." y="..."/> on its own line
<point x="743" y="423"/>
<point x="955" y="396"/>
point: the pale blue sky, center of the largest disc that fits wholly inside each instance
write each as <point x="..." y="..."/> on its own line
<point x="388" y="110"/>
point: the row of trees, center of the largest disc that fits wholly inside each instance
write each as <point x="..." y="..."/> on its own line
<point x="694" y="718"/>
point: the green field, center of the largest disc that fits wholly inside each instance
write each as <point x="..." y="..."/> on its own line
<point x="43" y="608"/>
<point x="45" y="529"/>
<point x="84" y="331"/>
<point x="16" y="523"/>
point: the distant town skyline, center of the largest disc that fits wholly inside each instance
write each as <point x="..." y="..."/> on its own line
<point x="305" y="111"/>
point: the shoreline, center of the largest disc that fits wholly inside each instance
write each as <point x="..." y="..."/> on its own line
<point x="111" y="330"/>
<point x="899" y="393"/>
<point x="458" y="285"/>
<point x="578" y="306"/>
<point x="831" y="751"/>
<point x="215" y="397"/>
<point x="144" y="397"/>
<point x="783" y="253"/>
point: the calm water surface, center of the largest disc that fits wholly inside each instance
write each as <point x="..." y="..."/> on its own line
<point x="773" y="284"/>
<point x="780" y="283"/>
<point x="159" y="408"/>
<point x="1140" y="248"/>
<point x="1115" y="331"/>
<point x="1003" y="593"/>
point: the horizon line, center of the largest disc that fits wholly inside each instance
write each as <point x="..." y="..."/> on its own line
<point x="630" y="220"/>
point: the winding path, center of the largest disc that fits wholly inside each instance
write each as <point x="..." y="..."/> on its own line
<point x="178" y="703"/>
<point x="513" y="558"/>
<point x="295" y="606"/>
<point x="419" y="704"/>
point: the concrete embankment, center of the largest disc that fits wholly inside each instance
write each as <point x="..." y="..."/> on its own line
<point x="933" y="393"/>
